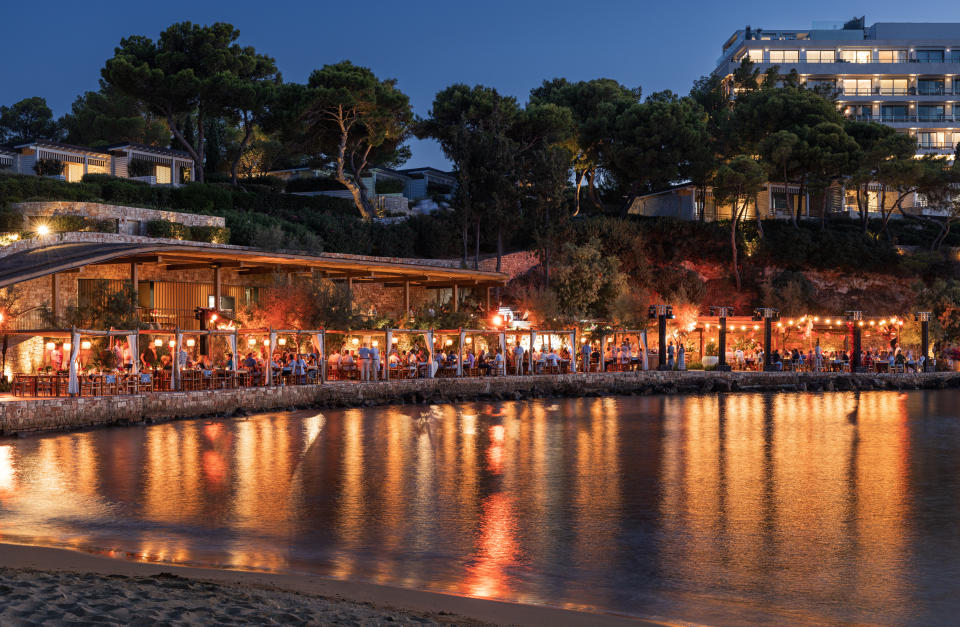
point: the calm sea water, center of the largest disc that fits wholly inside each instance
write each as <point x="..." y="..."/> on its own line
<point x="793" y="508"/>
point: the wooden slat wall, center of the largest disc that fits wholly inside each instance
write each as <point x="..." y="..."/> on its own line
<point x="87" y="289"/>
<point x="180" y="295"/>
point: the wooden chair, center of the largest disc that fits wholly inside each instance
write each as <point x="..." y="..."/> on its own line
<point x="90" y="385"/>
<point x="109" y="384"/>
<point x="24" y="385"/>
<point x="46" y="385"/>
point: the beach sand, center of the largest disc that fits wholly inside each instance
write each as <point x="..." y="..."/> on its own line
<point x="41" y="585"/>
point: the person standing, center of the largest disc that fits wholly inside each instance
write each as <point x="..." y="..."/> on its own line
<point x="681" y="357"/>
<point x="587" y="349"/>
<point x="518" y="358"/>
<point x="364" y="354"/>
<point x="375" y="361"/>
<point x="818" y="357"/>
<point x="670" y="353"/>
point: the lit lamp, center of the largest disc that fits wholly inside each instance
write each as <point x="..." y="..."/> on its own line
<point x="282" y="341"/>
<point x="497" y="320"/>
<point x="172" y="343"/>
<point x="43" y="230"/>
<point x="468" y="340"/>
<point x="355" y="341"/>
<point x="449" y="342"/>
<point x="394" y="340"/>
<point x="191" y="342"/>
<point x="158" y="342"/>
<point x="266" y="341"/>
<point x="85" y="345"/>
<point x="51" y="346"/>
<point x="375" y="343"/>
<point x="251" y="342"/>
<point x="67" y="346"/>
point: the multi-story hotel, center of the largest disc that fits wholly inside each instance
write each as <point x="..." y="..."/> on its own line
<point x="901" y="74"/>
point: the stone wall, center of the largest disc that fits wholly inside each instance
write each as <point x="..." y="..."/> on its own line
<point x="17" y="417"/>
<point x="132" y="220"/>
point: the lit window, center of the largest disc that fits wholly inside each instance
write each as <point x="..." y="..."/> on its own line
<point x="855" y="56"/>
<point x="821" y="56"/>
<point x="755" y="55"/>
<point x="784" y="56"/>
<point x="857" y="87"/>
<point x="892" y="56"/>
<point x="893" y="87"/>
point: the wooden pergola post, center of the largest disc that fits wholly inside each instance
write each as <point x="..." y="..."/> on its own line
<point x="456" y="298"/>
<point x="55" y="295"/>
<point x="406" y="299"/>
<point x="216" y="287"/>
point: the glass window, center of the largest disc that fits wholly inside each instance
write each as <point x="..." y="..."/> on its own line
<point x="930" y="56"/>
<point x="857" y="87"/>
<point x="955" y="56"/>
<point x="930" y="113"/>
<point x="893" y="87"/>
<point x="927" y="87"/>
<point x="892" y="56"/>
<point x="894" y="113"/>
<point x="784" y="56"/>
<point x="932" y="139"/>
<point x="821" y="56"/>
<point x="755" y="55"/>
<point x="780" y="201"/>
<point x="855" y="56"/>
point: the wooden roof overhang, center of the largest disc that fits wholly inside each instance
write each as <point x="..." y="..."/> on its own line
<point x="57" y="258"/>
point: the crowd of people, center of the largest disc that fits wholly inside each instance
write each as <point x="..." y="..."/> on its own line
<point x="815" y="359"/>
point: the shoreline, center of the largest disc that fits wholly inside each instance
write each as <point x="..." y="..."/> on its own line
<point x="36" y="415"/>
<point x="34" y="561"/>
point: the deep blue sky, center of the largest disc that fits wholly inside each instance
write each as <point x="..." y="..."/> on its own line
<point x="56" y="50"/>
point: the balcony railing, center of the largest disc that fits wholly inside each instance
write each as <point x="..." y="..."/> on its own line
<point x="891" y="118"/>
<point x="931" y="91"/>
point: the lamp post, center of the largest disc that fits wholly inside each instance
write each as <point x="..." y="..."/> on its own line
<point x="924" y="318"/>
<point x="855" y="318"/>
<point x="662" y="313"/>
<point x="722" y="313"/>
<point x="768" y="315"/>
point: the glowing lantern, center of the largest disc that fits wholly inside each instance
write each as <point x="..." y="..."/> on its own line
<point x="43" y="230"/>
<point x="67" y="346"/>
<point x="191" y="342"/>
<point x="51" y="346"/>
<point x="355" y="341"/>
<point x="251" y="342"/>
<point x="158" y="342"/>
<point x="85" y="345"/>
<point x="449" y="342"/>
<point x="266" y="341"/>
<point x="497" y="320"/>
<point x="756" y="327"/>
<point x="375" y="343"/>
<point x="282" y="341"/>
<point x="172" y="343"/>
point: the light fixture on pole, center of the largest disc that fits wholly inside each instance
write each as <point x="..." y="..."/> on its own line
<point x="768" y="315"/>
<point x="923" y="317"/>
<point x="855" y="318"/>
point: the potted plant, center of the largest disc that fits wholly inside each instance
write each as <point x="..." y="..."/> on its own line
<point x="710" y="358"/>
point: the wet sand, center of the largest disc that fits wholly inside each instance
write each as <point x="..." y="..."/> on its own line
<point x="42" y="585"/>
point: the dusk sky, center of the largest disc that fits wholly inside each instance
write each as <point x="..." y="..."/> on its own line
<point x="426" y="45"/>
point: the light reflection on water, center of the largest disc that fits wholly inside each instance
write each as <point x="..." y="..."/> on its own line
<point x="715" y="509"/>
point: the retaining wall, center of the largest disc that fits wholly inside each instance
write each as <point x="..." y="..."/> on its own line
<point x="17" y="417"/>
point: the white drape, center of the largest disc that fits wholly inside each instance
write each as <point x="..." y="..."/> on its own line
<point x="134" y="352"/>
<point x="321" y="358"/>
<point x="430" y="350"/>
<point x="270" y="349"/>
<point x="643" y="347"/>
<point x="460" y="355"/>
<point x="533" y="365"/>
<point x="603" y="352"/>
<point x="573" y="351"/>
<point x="175" y="373"/>
<point x="386" y="355"/>
<point x="235" y="359"/>
<point x="73" y="385"/>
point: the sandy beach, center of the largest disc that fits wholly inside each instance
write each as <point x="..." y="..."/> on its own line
<point x="54" y="586"/>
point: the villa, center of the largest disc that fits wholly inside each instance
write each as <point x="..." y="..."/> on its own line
<point x="150" y="164"/>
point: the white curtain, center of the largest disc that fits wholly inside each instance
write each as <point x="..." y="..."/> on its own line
<point x="386" y="355"/>
<point x="430" y="350"/>
<point x="460" y="355"/>
<point x="321" y="358"/>
<point x="573" y="351"/>
<point x="235" y="361"/>
<point x="533" y="365"/>
<point x="643" y="347"/>
<point x="175" y="374"/>
<point x="603" y="353"/>
<point x="73" y="385"/>
<point x="134" y="351"/>
<point x="270" y="349"/>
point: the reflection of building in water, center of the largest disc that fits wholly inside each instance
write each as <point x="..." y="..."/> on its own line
<point x="784" y="494"/>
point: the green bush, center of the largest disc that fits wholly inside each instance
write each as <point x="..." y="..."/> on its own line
<point x="212" y="234"/>
<point x="313" y="184"/>
<point x="390" y="186"/>
<point x="167" y="229"/>
<point x="141" y="167"/>
<point x="11" y="221"/>
<point x="66" y="223"/>
<point x="49" y="167"/>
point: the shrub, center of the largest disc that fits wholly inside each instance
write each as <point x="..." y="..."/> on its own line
<point x="313" y="184"/>
<point x="141" y="167"/>
<point x="66" y="223"/>
<point x="167" y="229"/>
<point x="11" y="221"/>
<point x="212" y="234"/>
<point x="49" y="167"/>
<point x="390" y="186"/>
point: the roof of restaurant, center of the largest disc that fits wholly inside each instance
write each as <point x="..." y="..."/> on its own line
<point x="61" y="257"/>
<point x="40" y="143"/>
<point x="157" y="150"/>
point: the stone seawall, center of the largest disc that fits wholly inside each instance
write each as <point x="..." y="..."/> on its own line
<point x="51" y="414"/>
